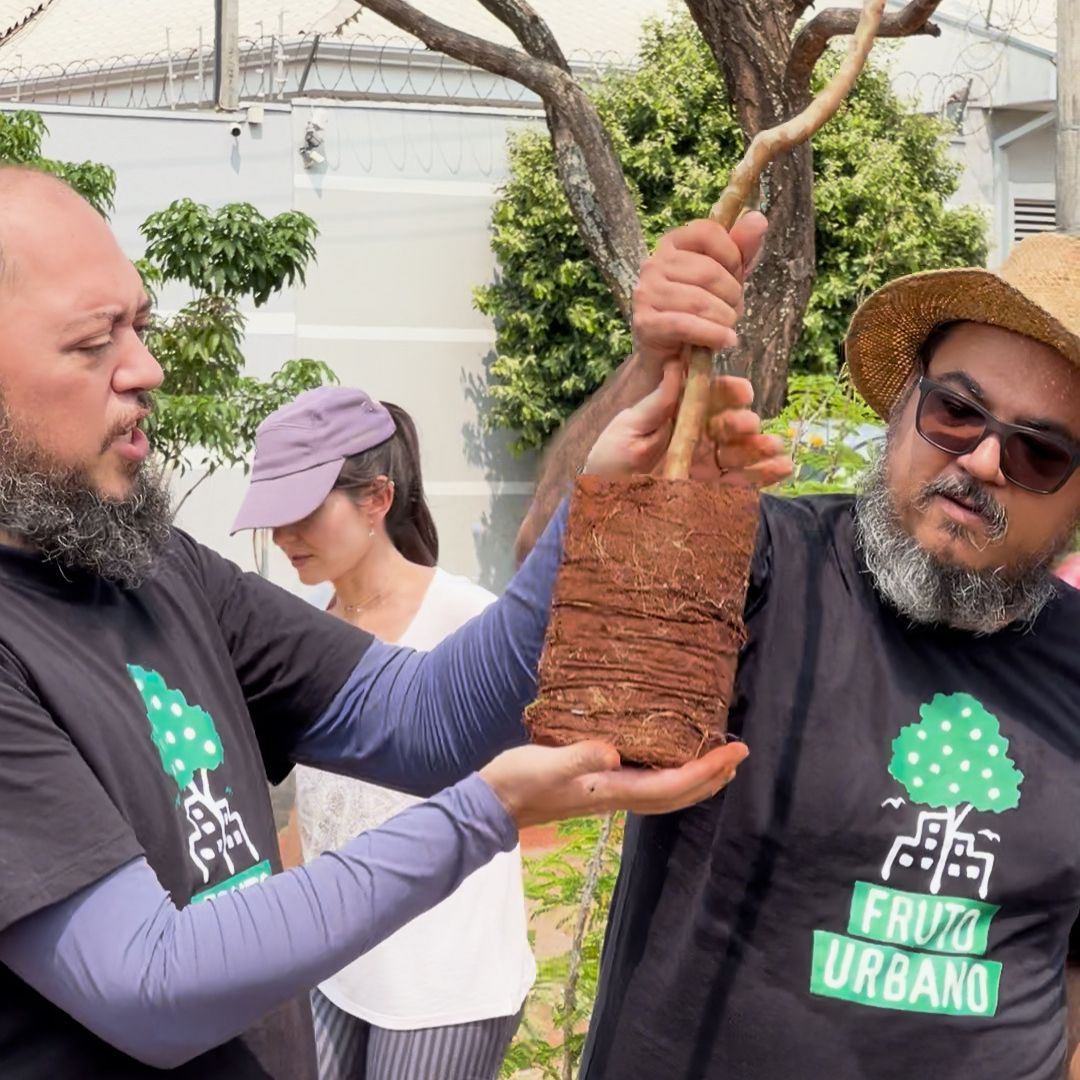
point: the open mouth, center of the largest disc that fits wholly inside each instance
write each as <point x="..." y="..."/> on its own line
<point x="962" y="511"/>
<point x="131" y="443"/>
<point x="965" y="504"/>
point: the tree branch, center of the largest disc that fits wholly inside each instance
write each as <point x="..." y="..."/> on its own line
<point x="191" y="490"/>
<point x="588" y="167"/>
<point x="540" y="76"/>
<point x="530" y="29"/>
<point x="812" y="41"/>
<point x="795" y="10"/>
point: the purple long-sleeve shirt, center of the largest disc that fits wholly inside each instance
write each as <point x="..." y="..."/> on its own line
<point x="164" y="984"/>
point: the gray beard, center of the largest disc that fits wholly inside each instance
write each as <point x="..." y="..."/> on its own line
<point x="930" y="592"/>
<point x="58" y="513"/>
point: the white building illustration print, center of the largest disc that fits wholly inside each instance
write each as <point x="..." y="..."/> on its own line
<point x="190" y="750"/>
<point x="953" y="761"/>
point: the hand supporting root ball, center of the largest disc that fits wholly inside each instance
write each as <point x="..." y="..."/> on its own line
<point x="538" y="784"/>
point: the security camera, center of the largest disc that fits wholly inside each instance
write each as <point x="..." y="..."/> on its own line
<point x="235" y="131"/>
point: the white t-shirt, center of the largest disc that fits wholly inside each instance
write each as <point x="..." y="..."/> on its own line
<point x="468" y="958"/>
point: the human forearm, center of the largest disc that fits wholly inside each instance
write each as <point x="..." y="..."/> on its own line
<point x="569" y="448"/>
<point x="164" y="985"/>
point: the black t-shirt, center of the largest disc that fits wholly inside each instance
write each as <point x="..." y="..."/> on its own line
<point x="147" y="722"/>
<point x="886" y="890"/>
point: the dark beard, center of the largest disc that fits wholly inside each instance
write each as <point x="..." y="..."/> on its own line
<point x="58" y="513"/>
<point x="928" y="591"/>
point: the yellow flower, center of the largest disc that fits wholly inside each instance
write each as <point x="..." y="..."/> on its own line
<point x="816" y="441"/>
<point x="792" y="432"/>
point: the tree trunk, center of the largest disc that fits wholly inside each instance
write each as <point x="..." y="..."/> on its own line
<point x="751" y="41"/>
<point x="588" y="167"/>
<point x="592" y="179"/>
<point x="779" y="291"/>
<point x="752" y="45"/>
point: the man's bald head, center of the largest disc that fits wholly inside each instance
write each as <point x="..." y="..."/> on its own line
<point x="19" y="184"/>
<point x="73" y="367"/>
<point x="22" y="181"/>
<point x="25" y="194"/>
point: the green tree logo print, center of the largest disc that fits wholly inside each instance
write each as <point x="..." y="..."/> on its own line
<point x="190" y="749"/>
<point x="954" y="760"/>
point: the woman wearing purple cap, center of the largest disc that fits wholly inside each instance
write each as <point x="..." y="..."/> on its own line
<point x="347" y="504"/>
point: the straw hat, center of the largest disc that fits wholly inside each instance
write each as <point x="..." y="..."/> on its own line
<point x="1035" y="293"/>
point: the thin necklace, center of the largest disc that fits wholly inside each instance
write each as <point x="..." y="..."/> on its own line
<point x="357" y="609"/>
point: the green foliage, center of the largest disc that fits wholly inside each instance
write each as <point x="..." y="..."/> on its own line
<point x="223" y="425"/>
<point x="555" y="884"/>
<point x="21" y="135"/>
<point x="883" y="178"/>
<point x="956" y="754"/>
<point x="825" y="422"/>
<point x="223" y="256"/>
<point x="234" y="251"/>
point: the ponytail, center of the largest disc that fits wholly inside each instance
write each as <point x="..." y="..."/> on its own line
<point x="409" y="523"/>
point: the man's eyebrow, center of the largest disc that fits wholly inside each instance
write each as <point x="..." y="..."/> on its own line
<point x="107" y="315"/>
<point x="1036" y="423"/>
<point x="110" y="315"/>
<point x="965" y="381"/>
<point x="1050" y="426"/>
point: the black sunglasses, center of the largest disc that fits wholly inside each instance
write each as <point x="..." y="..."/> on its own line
<point x="1034" y="460"/>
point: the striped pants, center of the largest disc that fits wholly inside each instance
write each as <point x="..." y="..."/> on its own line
<point x="349" y="1048"/>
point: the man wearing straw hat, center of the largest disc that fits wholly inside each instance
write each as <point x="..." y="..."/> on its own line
<point x="887" y="891"/>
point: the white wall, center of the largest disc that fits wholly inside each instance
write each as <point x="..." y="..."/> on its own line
<point x="404" y="201"/>
<point x="1032" y="158"/>
<point x="1006" y="64"/>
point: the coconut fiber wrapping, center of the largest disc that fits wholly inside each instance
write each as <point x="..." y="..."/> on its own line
<point x="647" y="618"/>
